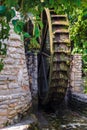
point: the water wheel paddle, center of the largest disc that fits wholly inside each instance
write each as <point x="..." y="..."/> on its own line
<point x="54" y="58"/>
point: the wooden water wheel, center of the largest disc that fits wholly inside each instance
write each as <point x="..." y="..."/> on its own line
<point x="54" y="58"/>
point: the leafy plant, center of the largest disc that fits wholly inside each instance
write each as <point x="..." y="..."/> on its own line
<point x="29" y="6"/>
<point x="36" y="34"/>
<point x="78" y="33"/>
<point x="1" y="64"/>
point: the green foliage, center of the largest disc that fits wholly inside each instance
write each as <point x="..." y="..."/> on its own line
<point x="78" y="33"/>
<point x="36" y="32"/>
<point x="1" y="64"/>
<point x="18" y="26"/>
<point x="3" y="49"/>
<point x="34" y="45"/>
<point x="10" y="3"/>
<point x="30" y="6"/>
<point x="2" y="10"/>
<point x="26" y="35"/>
<point x="4" y="32"/>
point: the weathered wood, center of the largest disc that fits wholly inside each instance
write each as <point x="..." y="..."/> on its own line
<point x="58" y="44"/>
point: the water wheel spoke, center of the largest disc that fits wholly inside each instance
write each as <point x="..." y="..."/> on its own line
<point x="44" y="73"/>
<point x="45" y="54"/>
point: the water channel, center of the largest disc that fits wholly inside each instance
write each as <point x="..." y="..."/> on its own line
<point x="64" y="119"/>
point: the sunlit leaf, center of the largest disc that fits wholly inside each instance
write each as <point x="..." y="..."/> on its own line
<point x="1" y="64"/>
<point x="17" y="29"/>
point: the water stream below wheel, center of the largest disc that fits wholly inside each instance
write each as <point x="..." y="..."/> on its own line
<point x="63" y="119"/>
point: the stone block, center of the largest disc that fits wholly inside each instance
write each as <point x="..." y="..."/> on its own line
<point x="13" y="85"/>
<point x="6" y="102"/>
<point x="11" y="77"/>
<point x="24" y="71"/>
<point x="72" y="83"/>
<point x="25" y="88"/>
<point x="15" y="56"/>
<point x="4" y="106"/>
<point x="77" y="89"/>
<point x="26" y="83"/>
<point x="15" y="90"/>
<point x="3" y="119"/>
<point x="20" y="51"/>
<point x="14" y="37"/>
<point x="12" y="49"/>
<point x="13" y="101"/>
<point x="3" y="87"/>
<point x="78" y="75"/>
<point x="13" y="43"/>
<point x="3" y="77"/>
<point x="9" y="61"/>
<point x="12" y="112"/>
<point x="3" y="112"/>
<point x="78" y="83"/>
<point x="15" y="96"/>
<point x="2" y="83"/>
<point x="17" y="107"/>
<point x="12" y="105"/>
<point x="72" y="77"/>
<point x="4" y="92"/>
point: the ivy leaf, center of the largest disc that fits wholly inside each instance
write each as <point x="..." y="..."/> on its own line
<point x="85" y="45"/>
<point x="2" y="10"/>
<point x="37" y="32"/>
<point x="13" y="13"/>
<point x="84" y="17"/>
<point x="21" y="23"/>
<point x="18" y="27"/>
<point x="84" y="10"/>
<point x="11" y="3"/>
<point x="8" y="15"/>
<point x="85" y="51"/>
<point x="51" y="2"/>
<point x="26" y="35"/>
<point x="14" y="21"/>
<point x="3" y="50"/>
<point x="85" y="58"/>
<point x="78" y="2"/>
<point x="41" y="24"/>
<point x="1" y="64"/>
<point x="43" y="4"/>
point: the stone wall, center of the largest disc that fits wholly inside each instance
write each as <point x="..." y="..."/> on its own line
<point x="15" y="95"/>
<point x="76" y="73"/>
<point x="77" y="100"/>
<point x="32" y="65"/>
